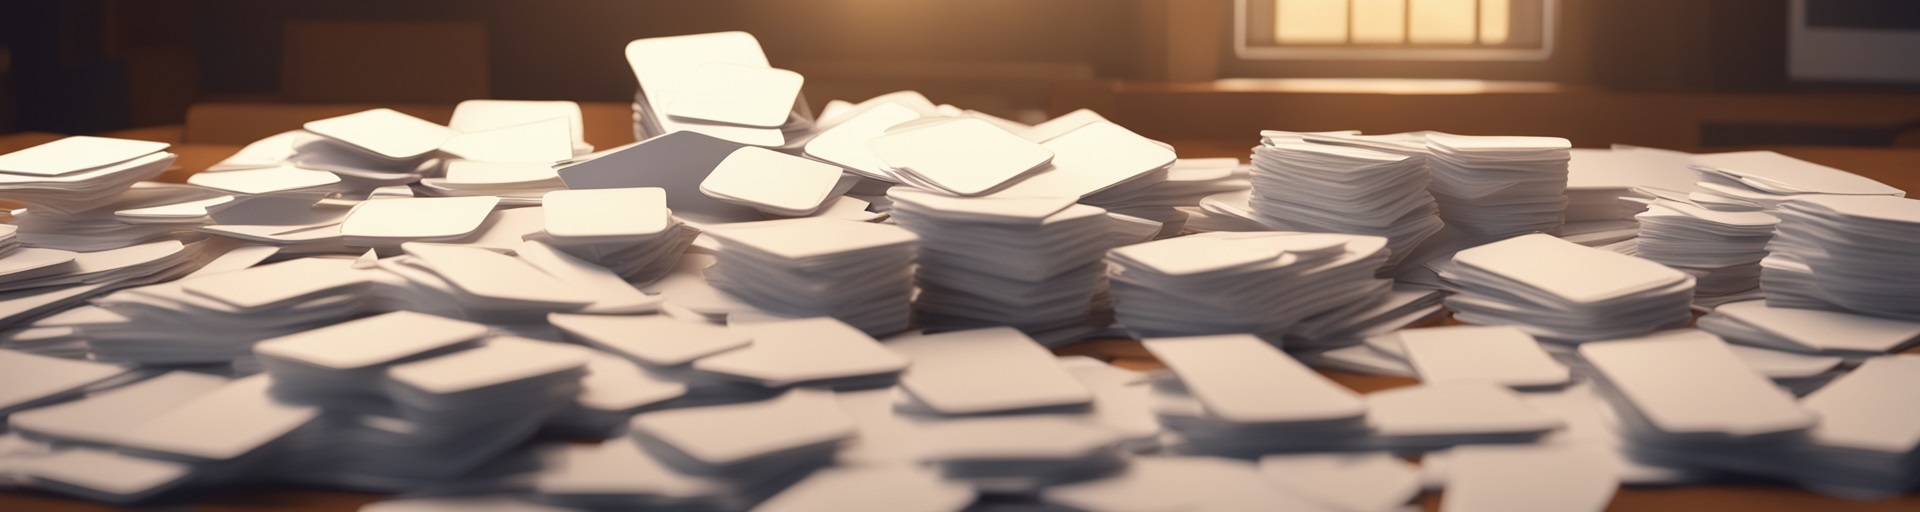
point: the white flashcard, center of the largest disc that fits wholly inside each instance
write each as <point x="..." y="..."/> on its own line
<point x="804" y="350"/>
<point x="372" y="340"/>
<point x="491" y="275"/>
<point x="1345" y="481"/>
<point x="104" y="416"/>
<point x="724" y="435"/>
<point x="28" y="378"/>
<point x="74" y="154"/>
<point x="1243" y="379"/>
<point x="271" y="285"/>
<point x="1527" y="478"/>
<point x="966" y="157"/>
<point x="1690" y="383"/>
<point x="424" y="218"/>
<point x="1499" y="354"/>
<point x="743" y="95"/>
<point x="503" y="359"/>
<point x="266" y="180"/>
<point x="653" y="339"/>
<point x="228" y="422"/>
<point x="607" y="213"/>
<point x="772" y="181"/>
<point x="384" y="133"/>
<point x="947" y="369"/>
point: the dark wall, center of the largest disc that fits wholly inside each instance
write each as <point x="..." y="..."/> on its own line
<point x="572" y="48"/>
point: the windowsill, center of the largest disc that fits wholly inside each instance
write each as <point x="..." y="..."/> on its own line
<point x="1420" y="86"/>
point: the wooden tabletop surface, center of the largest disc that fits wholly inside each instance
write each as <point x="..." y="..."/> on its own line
<point x="1899" y="167"/>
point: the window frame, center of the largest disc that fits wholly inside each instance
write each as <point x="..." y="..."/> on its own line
<point x="1549" y="21"/>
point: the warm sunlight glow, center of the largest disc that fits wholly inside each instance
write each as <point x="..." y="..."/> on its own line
<point x="1494" y="17"/>
<point x="1311" y="21"/>
<point x="1379" y="21"/>
<point x="1441" y="22"/>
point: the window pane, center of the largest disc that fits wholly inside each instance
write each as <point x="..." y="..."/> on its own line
<point x="1494" y="17"/>
<point x="1310" y="22"/>
<point x="1380" y="21"/>
<point x="1441" y="21"/>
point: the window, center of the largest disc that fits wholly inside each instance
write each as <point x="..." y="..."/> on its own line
<point x="1394" y="29"/>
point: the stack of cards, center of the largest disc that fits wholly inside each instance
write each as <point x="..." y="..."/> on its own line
<point x="234" y="431"/>
<point x="74" y="174"/>
<point x="1686" y="399"/>
<point x="1847" y="253"/>
<point x="515" y="183"/>
<point x="1020" y="454"/>
<point x="961" y="157"/>
<point x="432" y="415"/>
<point x="844" y="141"/>
<point x="1605" y="188"/>
<point x="1258" y="282"/>
<point x="1187" y="483"/>
<point x="1403" y="306"/>
<point x="1810" y="330"/>
<point x="1562" y="291"/>
<point x="347" y="359"/>
<point x="146" y="212"/>
<point x="268" y="152"/>
<point x="1226" y="392"/>
<point x="372" y="148"/>
<point x="34" y="380"/>
<point x="941" y="378"/>
<point x="618" y="474"/>
<point x="1100" y="164"/>
<point x="857" y="272"/>
<point x="776" y="183"/>
<point x="1752" y="180"/>
<point x="718" y="84"/>
<point x="1323" y="188"/>
<point x="752" y="442"/>
<point x="627" y="230"/>
<point x="1501" y="355"/>
<point x="1720" y="249"/>
<point x="484" y="115"/>
<point x="1858" y="450"/>
<point x="1029" y="263"/>
<point x="1225" y="402"/>
<point x="217" y="318"/>
<point x="477" y="283"/>
<point x="814" y="352"/>
<point x="387" y="222"/>
<point x="677" y="163"/>
<point x="1499" y="187"/>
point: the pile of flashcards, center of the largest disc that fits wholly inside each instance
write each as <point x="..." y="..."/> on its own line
<point x="754" y="307"/>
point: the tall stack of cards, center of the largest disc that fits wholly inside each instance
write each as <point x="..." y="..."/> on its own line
<point x="412" y="398"/>
<point x="858" y="272"/>
<point x="718" y="84"/>
<point x="372" y="148"/>
<point x="1720" y="249"/>
<point x="1261" y="282"/>
<point x="217" y="318"/>
<point x="1851" y="253"/>
<point x="1559" y="290"/>
<point x="1333" y="189"/>
<point x="1670" y="418"/>
<point x="1028" y="263"/>
<point x="74" y="174"/>
<point x="628" y="230"/>
<point x="1857" y="450"/>
<point x="1761" y="180"/>
<point x="1499" y="187"/>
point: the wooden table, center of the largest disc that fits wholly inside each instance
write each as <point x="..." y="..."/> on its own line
<point x="1897" y="167"/>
